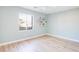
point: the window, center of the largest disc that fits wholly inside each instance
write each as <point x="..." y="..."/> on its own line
<point x="25" y="21"/>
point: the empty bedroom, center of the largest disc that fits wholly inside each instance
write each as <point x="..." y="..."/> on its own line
<point x="39" y="29"/>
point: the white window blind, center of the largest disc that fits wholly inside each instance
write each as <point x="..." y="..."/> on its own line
<point x="25" y="21"/>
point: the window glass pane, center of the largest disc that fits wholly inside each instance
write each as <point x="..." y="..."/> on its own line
<point x="29" y="20"/>
<point x="22" y="19"/>
<point x="25" y="21"/>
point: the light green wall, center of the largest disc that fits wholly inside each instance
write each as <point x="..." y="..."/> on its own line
<point x="9" y="29"/>
<point x="65" y="24"/>
<point x="0" y="25"/>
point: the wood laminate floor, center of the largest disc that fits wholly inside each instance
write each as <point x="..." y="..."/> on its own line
<point x="42" y="44"/>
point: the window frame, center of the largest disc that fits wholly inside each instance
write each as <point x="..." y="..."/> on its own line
<point x="27" y="27"/>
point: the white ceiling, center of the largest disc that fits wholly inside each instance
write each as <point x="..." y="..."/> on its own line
<point x="49" y="9"/>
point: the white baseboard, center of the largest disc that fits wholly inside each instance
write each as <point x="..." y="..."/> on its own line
<point x="62" y="37"/>
<point x="5" y="43"/>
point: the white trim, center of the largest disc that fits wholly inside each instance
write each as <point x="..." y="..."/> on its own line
<point x="62" y="37"/>
<point x="58" y="36"/>
<point x="22" y="39"/>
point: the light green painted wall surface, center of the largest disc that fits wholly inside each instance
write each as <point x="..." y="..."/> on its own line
<point x="65" y="24"/>
<point x="9" y="24"/>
